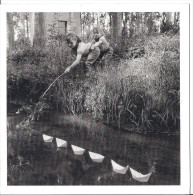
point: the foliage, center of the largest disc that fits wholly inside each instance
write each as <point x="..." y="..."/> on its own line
<point x="142" y="93"/>
<point x="31" y="69"/>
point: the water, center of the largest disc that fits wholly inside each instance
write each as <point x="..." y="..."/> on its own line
<point x="31" y="161"/>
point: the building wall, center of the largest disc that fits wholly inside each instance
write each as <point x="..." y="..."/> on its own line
<point x="65" y="22"/>
<point x="57" y="18"/>
<point x="75" y="25"/>
<point x="71" y="19"/>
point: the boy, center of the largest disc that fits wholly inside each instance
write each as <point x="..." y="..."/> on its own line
<point x="81" y="49"/>
<point x="101" y="42"/>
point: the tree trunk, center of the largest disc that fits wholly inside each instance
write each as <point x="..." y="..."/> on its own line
<point x="10" y="31"/>
<point x="98" y="19"/>
<point x="167" y="22"/>
<point x="138" y="22"/>
<point x="125" y="21"/>
<point x="39" y="33"/>
<point x="149" y="23"/>
<point x="27" y="18"/>
<point x="31" y="23"/>
<point x="169" y="18"/>
<point x="117" y="27"/>
<point x="131" y="25"/>
<point x="22" y="28"/>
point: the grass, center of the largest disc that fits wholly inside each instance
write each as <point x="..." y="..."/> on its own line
<point x="141" y="94"/>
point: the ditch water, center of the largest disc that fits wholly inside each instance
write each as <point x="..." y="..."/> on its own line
<point x="31" y="161"/>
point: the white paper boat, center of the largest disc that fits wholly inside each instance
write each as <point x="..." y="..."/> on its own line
<point x="96" y="157"/>
<point x="140" y="177"/>
<point x="77" y="150"/>
<point x="47" y="138"/>
<point x="17" y="112"/>
<point x="118" y="168"/>
<point x="61" y="143"/>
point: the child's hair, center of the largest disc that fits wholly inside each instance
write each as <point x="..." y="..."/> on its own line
<point x="98" y="30"/>
<point x="72" y="36"/>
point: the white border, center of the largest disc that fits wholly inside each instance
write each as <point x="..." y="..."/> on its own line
<point x="99" y="6"/>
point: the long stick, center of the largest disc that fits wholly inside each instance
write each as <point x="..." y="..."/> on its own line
<point x="51" y="85"/>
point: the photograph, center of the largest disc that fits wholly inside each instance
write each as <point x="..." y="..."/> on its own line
<point x="93" y="98"/>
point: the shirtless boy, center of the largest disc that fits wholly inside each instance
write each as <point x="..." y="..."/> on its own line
<point x="101" y="42"/>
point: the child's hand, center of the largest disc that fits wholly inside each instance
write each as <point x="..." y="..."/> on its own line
<point x="68" y="70"/>
<point x="93" y="47"/>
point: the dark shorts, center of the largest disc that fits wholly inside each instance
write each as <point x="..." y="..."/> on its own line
<point x="91" y="59"/>
<point x="92" y="56"/>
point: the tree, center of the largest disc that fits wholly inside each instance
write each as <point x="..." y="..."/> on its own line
<point x="27" y="24"/>
<point x="87" y="22"/>
<point x="116" y="26"/>
<point x="31" y="26"/>
<point x="22" y="26"/>
<point x="176" y="22"/>
<point x="125" y="24"/>
<point x="149" y="22"/>
<point x="138" y="24"/>
<point x="167" y="22"/>
<point x="131" y="25"/>
<point x="39" y="29"/>
<point x="169" y="17"/>
<point x="10" y="31"/>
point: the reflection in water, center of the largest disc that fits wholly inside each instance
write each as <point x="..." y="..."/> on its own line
<point x="31" y="161"/>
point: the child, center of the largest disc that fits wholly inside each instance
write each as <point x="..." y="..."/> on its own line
<point x="81" y="49"/>
<point x="101" y="42"/>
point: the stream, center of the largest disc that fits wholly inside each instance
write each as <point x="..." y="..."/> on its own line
<point x="31" y="161"/>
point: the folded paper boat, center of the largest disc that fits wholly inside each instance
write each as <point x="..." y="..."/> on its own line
<point x="140" y="177"/>
<point x="17" y="112"/>
<point x="77" y="150"/>
<point x="118" y="168"/>
<point x="61" y="143"/>
<point x="96" y="157"/>
<point x="47" y="138"/>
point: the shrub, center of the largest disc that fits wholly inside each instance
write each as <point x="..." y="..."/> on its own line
<point x="141" y="93"/>
<point x="30" y="70"/>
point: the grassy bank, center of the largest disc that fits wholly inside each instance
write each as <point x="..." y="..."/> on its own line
<point x="142" y="94"/>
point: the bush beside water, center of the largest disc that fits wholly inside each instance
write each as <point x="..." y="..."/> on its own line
<point x="141" y="94"/>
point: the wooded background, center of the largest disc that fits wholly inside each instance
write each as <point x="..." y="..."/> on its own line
<point x="35" y="28"/>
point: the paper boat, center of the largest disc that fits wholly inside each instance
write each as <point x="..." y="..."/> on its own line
<point x="61" y="143"/>
<point x="77" y="150"/>
<point x="17" y="112"/>
<point x="47" y="138"/>
<point x="140" y="177"/>
<point x="96" y="157"/>
<point x="118" y="168"/>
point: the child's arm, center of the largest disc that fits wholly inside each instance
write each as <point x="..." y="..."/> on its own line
<point x="97" y="43"/>
<point x="75" y="63"/>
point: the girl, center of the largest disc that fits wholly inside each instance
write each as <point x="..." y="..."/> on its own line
<point x="81" y="49"/>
